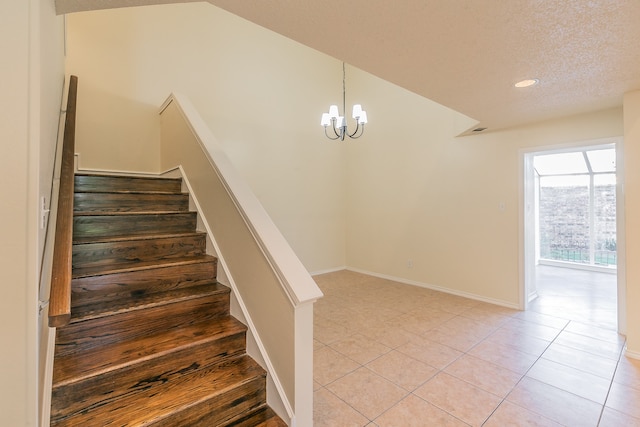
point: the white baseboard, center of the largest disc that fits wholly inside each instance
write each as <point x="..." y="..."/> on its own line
<point x="631" y="354"/>
<point x="113" y="171"/>
<point x="438" y="288"/>
<point x="47" y="386"/>
<point x="329" y="270"/>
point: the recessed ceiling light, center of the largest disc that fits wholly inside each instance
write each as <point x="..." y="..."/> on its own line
<point x="527" y="83"/>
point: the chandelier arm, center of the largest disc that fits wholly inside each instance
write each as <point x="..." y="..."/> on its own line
<point x="327" y="135"/>
<point x="354" y="136"/>
<point x="335" y="131"/>
<point x="351" y="135"/>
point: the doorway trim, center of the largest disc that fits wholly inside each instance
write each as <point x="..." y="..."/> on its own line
<point x="527" y="225"/>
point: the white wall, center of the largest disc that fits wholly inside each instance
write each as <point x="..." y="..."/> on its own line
<point x="261" y="94"/>
<point x="31" y="73"/>
<point x="49" y="77"/>
<point x="15" y="330"/>
<point x="416" y="192"/>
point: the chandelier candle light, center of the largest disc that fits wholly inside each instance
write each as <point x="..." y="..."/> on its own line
<point x="339" y="123"/>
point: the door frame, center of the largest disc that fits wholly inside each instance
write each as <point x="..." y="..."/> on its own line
<point x="528" y="228"/>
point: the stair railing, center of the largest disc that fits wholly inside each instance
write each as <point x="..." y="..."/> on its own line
<point x="60" y="296"/>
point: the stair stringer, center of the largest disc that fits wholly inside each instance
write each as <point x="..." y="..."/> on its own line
<point x="276" y="396"/>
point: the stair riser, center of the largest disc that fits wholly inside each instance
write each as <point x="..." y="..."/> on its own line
<point x="96" y="391"/>
<point x="262" y="417"/>
<point x="118" y="225"/>
<point x="121" y="202"/>
<point x="222" y="410"/>
<point x="109" y="287"/>
<point x="107" y="184"/>
<point x="108" y="253"/>
<point x="124" y="326"/>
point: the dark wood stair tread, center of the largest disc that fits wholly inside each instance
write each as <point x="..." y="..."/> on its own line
<point x="119" y="214"/>
<point x="76" y="367"/>
<point x="131" y="237"/>
<point x="127" y="177"/>
<point x="112" y="191"/>
<point x="139" y="265"/>
<point x="122" y="251"/>
<point x="130" y="202"/>
<point x="101" y="309"/>
<point x="101" y="183"/>
<point x="129" y="192"/>
<point x="222" y="386"/>
<point x="98" y="226"/>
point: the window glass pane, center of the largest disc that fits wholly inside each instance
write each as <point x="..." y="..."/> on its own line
<point x="564" y="163"/>
<point x="602" y="160"/>
<point x="604" y="179"/>
<point x="564" y="218"/>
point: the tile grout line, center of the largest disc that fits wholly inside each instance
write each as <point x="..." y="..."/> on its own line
<point x="346" y="403"/>
<point x="604" y="405"/>
<point x="524" y="375"/>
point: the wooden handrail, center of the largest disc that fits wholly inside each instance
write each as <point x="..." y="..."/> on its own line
<point x="60" y="295"/>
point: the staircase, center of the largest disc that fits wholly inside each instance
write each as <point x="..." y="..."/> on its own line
<point x="151" y="341"/>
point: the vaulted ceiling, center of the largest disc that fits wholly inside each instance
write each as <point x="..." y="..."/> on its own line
<point x="466" y="54"/>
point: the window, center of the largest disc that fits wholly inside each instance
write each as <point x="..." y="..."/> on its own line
<point x="577" y="206"/>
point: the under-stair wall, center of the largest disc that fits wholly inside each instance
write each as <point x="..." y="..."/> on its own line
<point x="274" y="291"/>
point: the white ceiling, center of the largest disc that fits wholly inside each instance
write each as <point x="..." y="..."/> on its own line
<point x="467" y="54"/>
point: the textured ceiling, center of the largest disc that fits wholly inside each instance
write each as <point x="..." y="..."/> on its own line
<point x="467" y="54"/>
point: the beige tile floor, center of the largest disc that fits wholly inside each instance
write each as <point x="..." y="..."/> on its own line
<point x="389" y="354"/>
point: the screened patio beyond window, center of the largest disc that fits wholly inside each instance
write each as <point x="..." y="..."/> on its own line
<point x="576" y="219"/>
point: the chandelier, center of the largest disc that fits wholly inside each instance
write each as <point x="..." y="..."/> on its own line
<point x="338" y="123"/>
